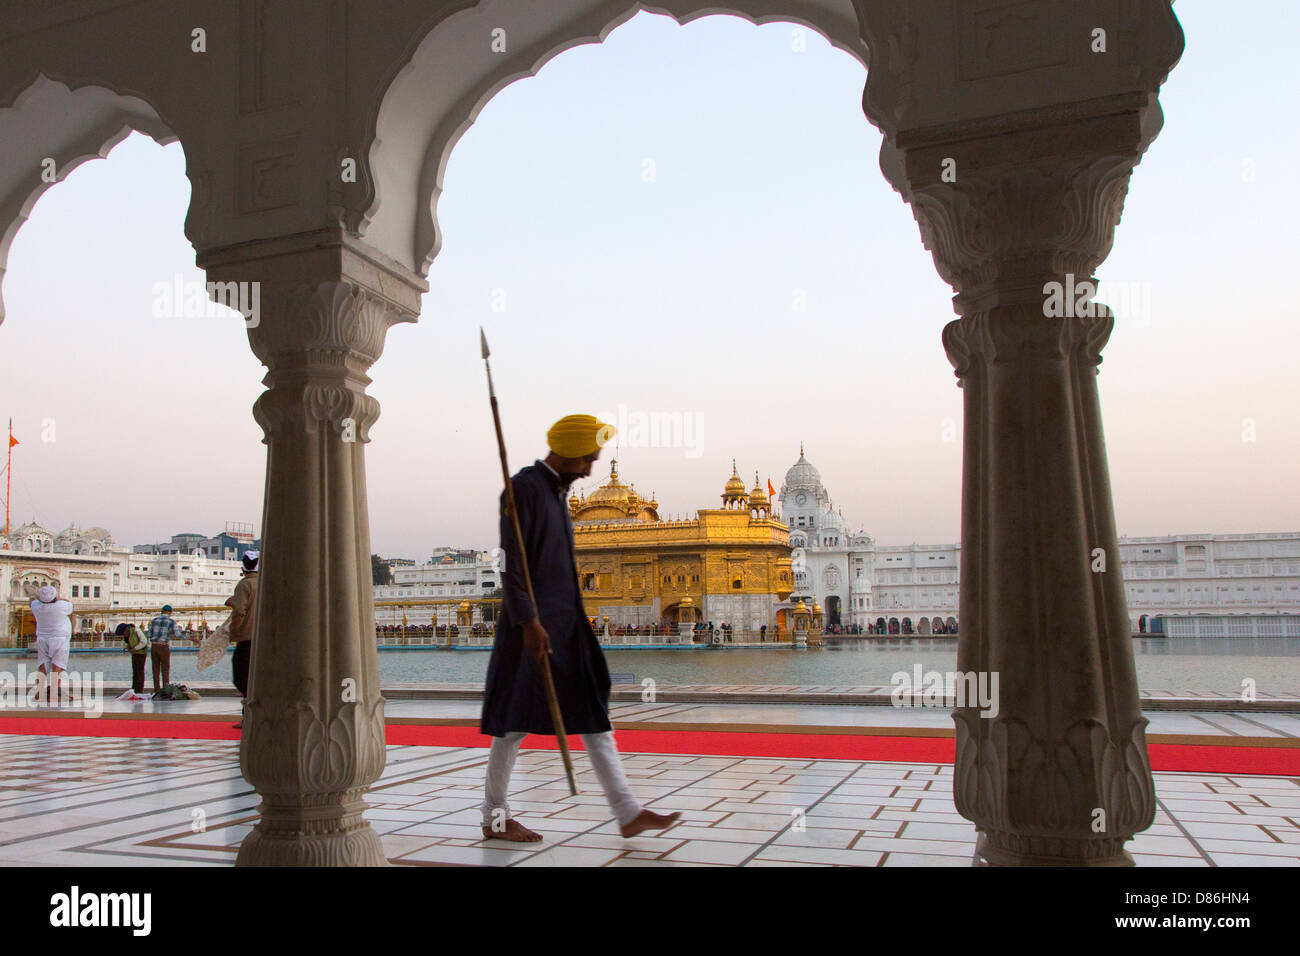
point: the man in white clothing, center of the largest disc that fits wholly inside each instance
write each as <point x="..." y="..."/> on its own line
<point x="53" y="637"/>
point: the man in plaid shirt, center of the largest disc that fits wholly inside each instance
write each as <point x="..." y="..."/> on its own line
<point x="161" y="630"/>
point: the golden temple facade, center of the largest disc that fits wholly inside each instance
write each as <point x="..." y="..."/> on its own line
<point x="726" y="565"/>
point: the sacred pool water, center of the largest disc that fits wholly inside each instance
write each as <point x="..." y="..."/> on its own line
<point x="1217" y="665"/>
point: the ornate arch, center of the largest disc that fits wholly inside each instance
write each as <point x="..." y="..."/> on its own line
<point x="454" y="72"/>
<point x="52" y="121"/>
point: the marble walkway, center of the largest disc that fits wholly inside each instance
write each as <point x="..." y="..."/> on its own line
<point x="82" y="801"/>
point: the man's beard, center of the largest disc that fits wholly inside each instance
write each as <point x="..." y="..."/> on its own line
<point x="567" y="478"/>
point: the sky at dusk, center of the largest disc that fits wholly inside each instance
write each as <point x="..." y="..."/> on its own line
<point x="765" y="288"/>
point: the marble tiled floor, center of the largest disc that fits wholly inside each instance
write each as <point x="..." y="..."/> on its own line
<point x="79" y="801"/>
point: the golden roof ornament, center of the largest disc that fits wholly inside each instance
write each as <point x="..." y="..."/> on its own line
<point x="614" y="501"/>
<point x="735" y="487"/>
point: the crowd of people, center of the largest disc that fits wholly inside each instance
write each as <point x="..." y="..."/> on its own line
<point x="396" y="631"/>
<point x="148" y="644"/>
<point x="704" y="631"/>
<point x="906" y="629"/>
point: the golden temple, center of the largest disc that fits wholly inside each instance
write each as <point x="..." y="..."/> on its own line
<point x="726" y="565"/>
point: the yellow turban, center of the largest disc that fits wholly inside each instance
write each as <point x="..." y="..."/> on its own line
<point x="577" y="436"/>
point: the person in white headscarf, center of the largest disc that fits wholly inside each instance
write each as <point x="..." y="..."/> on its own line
<point x="53" y="636"/>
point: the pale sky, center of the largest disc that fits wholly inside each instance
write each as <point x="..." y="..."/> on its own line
<point x="676" y="296"/>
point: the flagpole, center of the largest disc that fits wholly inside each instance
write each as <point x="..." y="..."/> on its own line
<point x="8" y="477"/>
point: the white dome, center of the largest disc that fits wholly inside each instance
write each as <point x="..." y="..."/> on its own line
<point x="804" y="478"/>
<point x="860" y="585"/>
<point x="803" y="475"/>
<point x="830" y="521"/>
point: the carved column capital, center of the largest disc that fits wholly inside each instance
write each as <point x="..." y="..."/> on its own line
<point x="317" y="339"/>
<point x="1012" y="334"/>
<point x="1005" y="215"/>
<point x="348" y="292"/>
<point x="334" y="323"/>
<point x="324" y="304"/>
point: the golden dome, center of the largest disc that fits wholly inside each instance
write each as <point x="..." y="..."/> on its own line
<point x="735" y="484"/>
<point x="758" y="496"/>
<point x="610" y="489"/>
<point x="733" y="493"/>
<point x="614" y="501"/>
<point x="612" y="492"/>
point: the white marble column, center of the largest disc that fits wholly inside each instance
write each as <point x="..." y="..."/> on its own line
<point x="1060" y="775"/>
<point x="313" y="735"/>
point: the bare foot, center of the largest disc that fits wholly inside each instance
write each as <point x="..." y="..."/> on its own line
<point x="648" y="820"/>
<point x="515" y="832"/>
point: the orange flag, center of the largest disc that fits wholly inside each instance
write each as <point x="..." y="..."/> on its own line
<point x="771" y="492"/>
<point x="12" y="440"/>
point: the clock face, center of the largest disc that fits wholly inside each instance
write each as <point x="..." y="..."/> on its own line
<point x="801" y="499"/>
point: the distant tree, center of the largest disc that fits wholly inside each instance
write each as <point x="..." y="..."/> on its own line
<point x="380" y="571"/>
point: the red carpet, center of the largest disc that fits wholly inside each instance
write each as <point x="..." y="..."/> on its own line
<point x="1194" y="758"/>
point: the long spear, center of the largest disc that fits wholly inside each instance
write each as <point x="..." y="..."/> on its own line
<point x="551" y="699"/>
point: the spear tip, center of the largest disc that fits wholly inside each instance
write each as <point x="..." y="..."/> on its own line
<point x="483" y="342"/>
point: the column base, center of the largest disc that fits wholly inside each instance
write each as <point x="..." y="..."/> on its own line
<point x="997" y="848"/>
<point x="332" y="834"/>
<point x="359" y="848"/>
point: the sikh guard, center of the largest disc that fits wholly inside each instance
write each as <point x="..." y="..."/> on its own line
<point x="514" y="702"/>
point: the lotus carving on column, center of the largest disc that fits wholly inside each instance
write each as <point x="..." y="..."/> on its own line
<point x="343" y="754"/>
<point x="1054" y="788"/>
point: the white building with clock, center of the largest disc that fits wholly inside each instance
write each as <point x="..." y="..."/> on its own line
<point x="899" y="589"/>
<point x="912" y="589"/>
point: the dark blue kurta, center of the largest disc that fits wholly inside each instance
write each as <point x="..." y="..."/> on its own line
<point x="515" y="697"/>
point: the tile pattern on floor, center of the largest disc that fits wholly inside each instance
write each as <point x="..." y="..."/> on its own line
<point x="77" y="801"/>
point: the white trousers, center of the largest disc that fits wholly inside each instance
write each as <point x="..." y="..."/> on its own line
<point x="604" y="760"/>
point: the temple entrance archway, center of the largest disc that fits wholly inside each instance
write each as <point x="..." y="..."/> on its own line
<point x="833" y="611"/>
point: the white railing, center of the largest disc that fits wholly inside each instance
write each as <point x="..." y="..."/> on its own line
<point x="1232" y="625"/>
